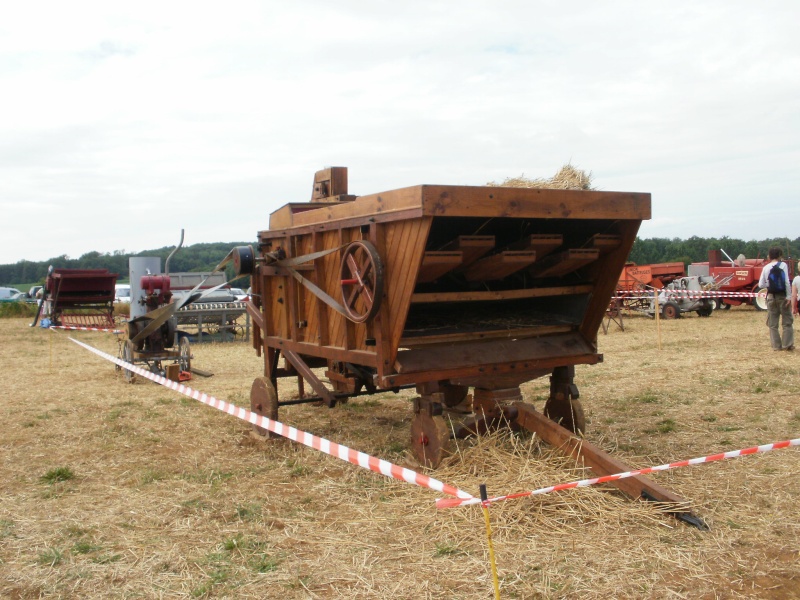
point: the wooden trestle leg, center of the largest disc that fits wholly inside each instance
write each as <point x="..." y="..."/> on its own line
<point x="430" y="434"/>
<point x="563" y="406"/>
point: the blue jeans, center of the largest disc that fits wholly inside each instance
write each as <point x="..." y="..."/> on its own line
<point x="778" y="309"/>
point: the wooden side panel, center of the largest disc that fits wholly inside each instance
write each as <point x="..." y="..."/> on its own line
<point x="444" y="200"/>
<point x="405" y="247"/>
<point x="329" y="281"/>
<point x="605" y="285"/>
<point x="605" y="243"/>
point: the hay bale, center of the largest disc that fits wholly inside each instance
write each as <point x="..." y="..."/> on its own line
<point x="567" y="178"/>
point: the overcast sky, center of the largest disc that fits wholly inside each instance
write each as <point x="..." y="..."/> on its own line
<point x="121" y="123"/>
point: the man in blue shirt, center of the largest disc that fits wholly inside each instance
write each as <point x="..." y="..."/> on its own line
<point x="779" y="303"/>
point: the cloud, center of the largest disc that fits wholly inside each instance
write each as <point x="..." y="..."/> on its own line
<point x="128" y="122"/>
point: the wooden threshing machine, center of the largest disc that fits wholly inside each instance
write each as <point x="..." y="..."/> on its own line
<point x="446" y="289"/>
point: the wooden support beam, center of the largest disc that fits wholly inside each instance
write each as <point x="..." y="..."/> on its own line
<point x="590" y="455"/>
<point x="437" y="263"/>
<point x="305" y="371"/>
<point x="558" y="265"/>
<point x="499" y="266"/>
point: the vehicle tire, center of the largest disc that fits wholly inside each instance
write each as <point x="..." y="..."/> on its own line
<point x="760" y="302"/>
<point x="671" y="310"/>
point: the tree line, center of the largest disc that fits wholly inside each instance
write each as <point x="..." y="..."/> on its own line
<point x="204" y="257"/>
<point x="193" y="258"/>
<point x="695" y="249"/>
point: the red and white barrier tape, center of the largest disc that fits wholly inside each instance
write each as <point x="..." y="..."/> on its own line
<point x="453" y="502"/>
<point x="688" y="294"/>
<point x="317" y="443"/>
<point x="75" y="328"/>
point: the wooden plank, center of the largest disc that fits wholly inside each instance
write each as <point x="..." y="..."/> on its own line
<point x="472" y="247"/>
<point x="283" y="218"/>
<point x="359" y="357"/>
<point x="468" y="201"/>
<point x="385" y="202"/>
<point x="605" y="286"/>
<point x="471" y="336"/>
<point x="499" y="266"/>
<point x="590" y="455"/>
<point x="511" y="373"/>
<point x="604" y="242"/>
<point x="402" y="262"/>
<point x="542" y="243"/>
<point x="484" y="353"/>
<point x="437" y="263"/>
<point x="255" y="315"/>
<point x="306" y="373"/>
<point x="441" y="200"/>
<point x="482" y="296"/>
<point x="381" y="322"/>
<point x="356" y="221"/>
<point x="562" y="263"/>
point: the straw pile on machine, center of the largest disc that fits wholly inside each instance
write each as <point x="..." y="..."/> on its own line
<point x="567" y="178"/>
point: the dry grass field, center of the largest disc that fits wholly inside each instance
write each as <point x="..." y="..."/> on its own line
<point x="110" y="490"/>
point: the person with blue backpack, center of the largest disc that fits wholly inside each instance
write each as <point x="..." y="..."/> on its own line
<point x="775" y="277"/>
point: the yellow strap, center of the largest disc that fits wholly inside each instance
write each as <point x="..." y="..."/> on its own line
<point x="491" y="550"/>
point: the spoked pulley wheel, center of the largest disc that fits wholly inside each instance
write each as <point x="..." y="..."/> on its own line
<point x="362" y="281"/>
<point x="430" y="439"/>
<point x="185" y="359"/>
<point x="264" y="402"/>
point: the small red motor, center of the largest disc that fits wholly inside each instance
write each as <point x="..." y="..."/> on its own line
<point x="156" y="288"/>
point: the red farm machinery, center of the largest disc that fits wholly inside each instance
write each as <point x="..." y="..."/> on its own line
<point x="78" y="298"/>
<point x="736" y="279"/>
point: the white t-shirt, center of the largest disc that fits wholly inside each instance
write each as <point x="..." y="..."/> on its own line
<point x="764" y="279"/>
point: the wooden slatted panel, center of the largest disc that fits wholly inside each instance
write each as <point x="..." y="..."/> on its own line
<point x="437" y="263"/>
<point x="405" y="246"/>
<point x="308" y="305"/>
<point x="557" y="265"/>
<point x="499" y="266"/>
<point x="337" y="332"/>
